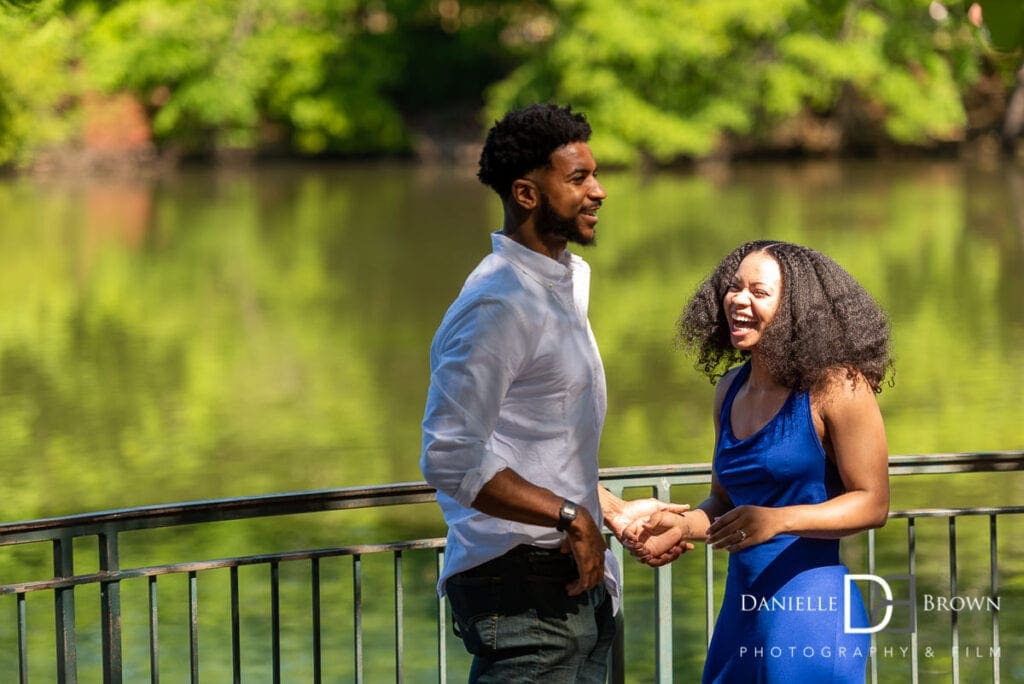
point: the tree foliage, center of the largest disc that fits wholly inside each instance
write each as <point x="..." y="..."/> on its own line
<point x="666" y="80"/>
<point x="35" y="79"/>
<point x="659" y="80"/>
<point x="215" y="71"/>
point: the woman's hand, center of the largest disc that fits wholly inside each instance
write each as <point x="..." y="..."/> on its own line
<point x="743" y="527"/>
<point x="626" y="523"/>
<point x="662" y="538"/>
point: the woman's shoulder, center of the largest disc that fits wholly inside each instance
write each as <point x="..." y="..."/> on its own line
<point x="840" y="386"/>
<point x="723" y="385"/>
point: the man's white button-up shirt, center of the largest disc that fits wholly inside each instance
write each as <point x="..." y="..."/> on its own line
<point x="516" y="382"/>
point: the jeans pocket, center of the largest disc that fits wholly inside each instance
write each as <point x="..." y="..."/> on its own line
<point x="476" y="604"/>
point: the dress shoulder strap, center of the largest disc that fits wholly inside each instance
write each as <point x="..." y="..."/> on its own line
<point x="730" y="394"/>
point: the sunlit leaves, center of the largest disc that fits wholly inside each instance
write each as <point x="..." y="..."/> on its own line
<point x="669" y="80"/>
<point x="37" y="45"/>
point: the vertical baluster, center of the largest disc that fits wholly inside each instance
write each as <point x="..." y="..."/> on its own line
<point x="709" y="595"/>
<point x="912" y="569"/>
<point x="22" y="640"/>
<point x="617" y="654"/>
<point x="275" y="620"/>
<point x="874" y="641"/>
<point x="110" y="609"/>
<point x="64" y="611"/>
<point x="357" y="614"/>
<point x="193" y="625"/>
<point x="994" y="580"/>
<point x="663" y="599"/>
<point x="317" y="655"/>
<point x="442" y="629"/>
<point x="154" y="633"/>
<point x="953" y="615"/>
<point x="236" y="637"/>
<point x="399" y="625"/>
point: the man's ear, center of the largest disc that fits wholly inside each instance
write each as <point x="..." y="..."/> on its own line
<point x="525" y="193"/>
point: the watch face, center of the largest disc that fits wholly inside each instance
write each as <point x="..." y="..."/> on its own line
<point x="566" y="514"/>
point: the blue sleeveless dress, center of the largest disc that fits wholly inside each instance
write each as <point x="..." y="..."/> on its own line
<point x="782" y="616"/>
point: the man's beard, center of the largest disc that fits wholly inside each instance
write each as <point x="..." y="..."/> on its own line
<point x="551" y="223"/>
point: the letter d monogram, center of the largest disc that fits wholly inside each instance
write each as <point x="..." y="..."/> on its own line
<point x="847" y="627"/>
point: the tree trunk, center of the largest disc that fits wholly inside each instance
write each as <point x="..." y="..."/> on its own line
<point x="1013" y="123"/>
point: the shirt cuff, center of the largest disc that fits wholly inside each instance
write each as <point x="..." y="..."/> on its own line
<point x="475" y="479"/>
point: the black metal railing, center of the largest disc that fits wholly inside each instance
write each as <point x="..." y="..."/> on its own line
<point x="106" y="529"/>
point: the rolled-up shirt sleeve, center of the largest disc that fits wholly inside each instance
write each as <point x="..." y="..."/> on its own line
<point x="474" y="359"/>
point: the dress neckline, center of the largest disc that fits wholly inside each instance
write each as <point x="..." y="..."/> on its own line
<point x="741" y="378"/>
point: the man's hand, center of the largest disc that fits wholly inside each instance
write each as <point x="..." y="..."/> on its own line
<point x="662" y="538"/>
<point x="626" y="521"/>
<point x="586" y="543"/>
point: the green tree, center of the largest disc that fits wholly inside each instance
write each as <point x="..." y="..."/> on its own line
<point x="38" y="45"/>
<point x="661" y="81"/>
<point x="669" y="80"/>
<point x="235" y="73"/>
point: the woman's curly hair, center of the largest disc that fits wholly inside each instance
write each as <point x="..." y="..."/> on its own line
<point x="825" y="322"/>
<point x="524" y="139"/>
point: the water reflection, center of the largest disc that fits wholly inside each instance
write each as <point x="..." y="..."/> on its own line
<point x="228" y="333"/>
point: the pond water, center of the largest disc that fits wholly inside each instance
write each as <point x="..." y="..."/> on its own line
<point x="225" y="333"/>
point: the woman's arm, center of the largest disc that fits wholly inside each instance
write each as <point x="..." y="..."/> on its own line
<point x="853" y="427"/>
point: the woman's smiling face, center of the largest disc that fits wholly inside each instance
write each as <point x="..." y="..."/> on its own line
<point x="753" y="299"/>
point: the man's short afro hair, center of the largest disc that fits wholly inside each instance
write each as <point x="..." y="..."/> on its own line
<point x="524" y="139"/>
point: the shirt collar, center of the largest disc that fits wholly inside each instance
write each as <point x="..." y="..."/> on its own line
<point x="538" y="266"/>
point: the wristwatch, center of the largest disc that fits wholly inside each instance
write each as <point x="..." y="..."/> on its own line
<point x="566" y="514"/>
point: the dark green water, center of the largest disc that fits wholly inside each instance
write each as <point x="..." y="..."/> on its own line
<point x="227" y="333"/>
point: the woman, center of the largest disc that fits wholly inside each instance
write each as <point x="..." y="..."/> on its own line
<point x="800" y="460"/>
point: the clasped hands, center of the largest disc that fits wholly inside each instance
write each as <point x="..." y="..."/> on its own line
<point x="642" y="525"/>
<point x="656" y="532"/>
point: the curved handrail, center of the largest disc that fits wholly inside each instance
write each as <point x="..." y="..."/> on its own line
<point x="287" y="503"/>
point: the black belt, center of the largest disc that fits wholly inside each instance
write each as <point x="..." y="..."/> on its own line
<point x="528" y="561"/>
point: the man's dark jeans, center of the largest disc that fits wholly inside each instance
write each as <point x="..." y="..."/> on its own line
<point x="515" y="617"/>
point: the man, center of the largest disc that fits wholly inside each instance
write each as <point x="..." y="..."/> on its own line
<point x="514" y="416"/>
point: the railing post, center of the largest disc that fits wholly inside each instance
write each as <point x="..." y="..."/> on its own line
<point x="442" y="629"/>
<point x="954" y="623"/>
<point x="193" y="626"/>
<point x="22" y="641"/>
<point x="994" y="579"/>
<point x="617" y="656"/>
<point x="154" y="632"/>
<point x="357" y="615"/>
<point x="236" y="629"/>
<point x="110" y="609"/>
<point x="315" y="610"/>
<point x="912" y="571"/>
<point x="64" y="611"/>
<point x="663" y="596"/>
<point x="873" y="659"/>
<point x="399" y="621"/>
<point x="275" y="621"/>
